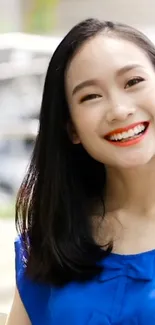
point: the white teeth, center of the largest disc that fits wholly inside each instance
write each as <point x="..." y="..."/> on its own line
<point x="131" y="133"/>
<point x="119" y="136"/>
<point x="124" y="135"/>
<point x="136" y="130"/>
<point x="142" y="127"/>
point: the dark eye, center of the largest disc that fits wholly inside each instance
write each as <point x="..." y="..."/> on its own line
<point x="89" y="97"/>
<point x="134" y="81"/>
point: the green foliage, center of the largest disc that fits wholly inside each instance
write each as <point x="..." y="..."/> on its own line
<point x="7" y="210"/>
<point x="41" y="18"/>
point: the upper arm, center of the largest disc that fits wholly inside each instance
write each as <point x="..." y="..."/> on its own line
<point x="18" y="314"/>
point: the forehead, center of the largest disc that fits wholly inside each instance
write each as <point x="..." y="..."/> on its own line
<point x="106" y="55"/>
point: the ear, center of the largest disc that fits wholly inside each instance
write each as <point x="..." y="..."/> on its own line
<point x="72" y="133"/>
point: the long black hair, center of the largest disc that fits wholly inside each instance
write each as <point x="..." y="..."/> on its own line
<point x="54" y="204"/>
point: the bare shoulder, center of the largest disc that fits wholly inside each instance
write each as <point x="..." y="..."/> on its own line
<point x="18" y="314"/>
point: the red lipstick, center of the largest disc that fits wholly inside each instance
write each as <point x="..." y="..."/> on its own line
<point x="132" y="137"/>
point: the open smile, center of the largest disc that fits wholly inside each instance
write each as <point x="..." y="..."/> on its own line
<point x="129" y="135"/>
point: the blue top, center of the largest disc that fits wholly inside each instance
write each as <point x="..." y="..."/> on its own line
<point x="124" y="294"/>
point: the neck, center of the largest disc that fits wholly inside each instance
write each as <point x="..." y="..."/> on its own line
<point x="132" y="189"/>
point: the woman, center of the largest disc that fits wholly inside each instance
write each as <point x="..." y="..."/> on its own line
<point x="86" y="209"/>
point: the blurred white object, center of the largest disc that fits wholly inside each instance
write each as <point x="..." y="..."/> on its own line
<point x="16" y="145"/>
<point x="18" y="129"/>
<point x="2" y="318"/>
<point x="32" y="43"/>
<point x="24" y="50"/>
<point x="23" y="63"/>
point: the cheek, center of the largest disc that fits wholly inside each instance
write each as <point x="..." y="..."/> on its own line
<point x="150" y="103"/>
<point x="147" y="99"/>
<point x="87" y="128"/>
<point x="87" y="121"/>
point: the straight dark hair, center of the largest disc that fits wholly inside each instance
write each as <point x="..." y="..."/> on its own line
<point x="55" y="200"/>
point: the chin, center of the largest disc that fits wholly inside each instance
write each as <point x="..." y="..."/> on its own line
<point x="133" y="162"/>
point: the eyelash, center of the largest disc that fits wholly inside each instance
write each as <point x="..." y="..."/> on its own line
<point x="139" y="79"/>
<point x="94" y="96"/>
<point x="89" y="97"/>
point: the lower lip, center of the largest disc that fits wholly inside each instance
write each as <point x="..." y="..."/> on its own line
<point x="130" y="142"/>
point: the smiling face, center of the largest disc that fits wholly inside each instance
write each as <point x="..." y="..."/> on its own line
<point x="110" y="87"/>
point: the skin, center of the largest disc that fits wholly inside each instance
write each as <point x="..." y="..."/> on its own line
<point x="119" y="97"/>
<point x="130" y="170"/>
<point x="117" y="104"/>
<point x="18" y="314"/>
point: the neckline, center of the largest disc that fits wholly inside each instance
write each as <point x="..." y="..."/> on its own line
<point x="139" y="266"/>
<point x="132" y="256"/>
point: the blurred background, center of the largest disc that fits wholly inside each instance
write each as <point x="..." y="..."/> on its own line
<point x="30" y="30"/>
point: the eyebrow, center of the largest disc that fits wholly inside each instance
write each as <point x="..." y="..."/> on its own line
<point x="128" y="68"/>
<point x="92" y="82"/>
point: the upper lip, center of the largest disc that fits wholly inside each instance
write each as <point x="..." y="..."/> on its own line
<point x="125" y="129"/>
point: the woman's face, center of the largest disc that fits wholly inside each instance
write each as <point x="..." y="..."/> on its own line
<point x="110" y="86"/>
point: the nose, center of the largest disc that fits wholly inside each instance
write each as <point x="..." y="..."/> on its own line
<point x="119" y="112"/>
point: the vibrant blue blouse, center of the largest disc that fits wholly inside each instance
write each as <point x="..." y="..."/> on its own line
<point x="124" y="294"/>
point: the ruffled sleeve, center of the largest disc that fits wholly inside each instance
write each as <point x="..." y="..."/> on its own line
<point x="34" y="295"/>
<point x="23" y="284"/>
<point x="19" y="263"/>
